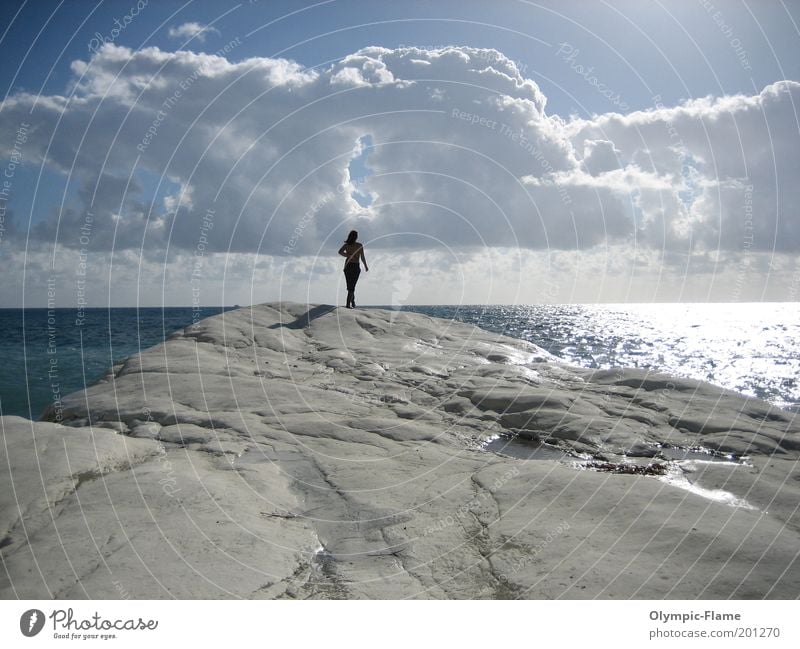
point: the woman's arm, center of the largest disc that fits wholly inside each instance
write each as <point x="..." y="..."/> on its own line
<point x="364" y="259"/>
<point x="343" y="250"/>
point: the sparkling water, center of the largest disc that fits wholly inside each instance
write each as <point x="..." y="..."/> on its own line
<point x="751" y="348"/>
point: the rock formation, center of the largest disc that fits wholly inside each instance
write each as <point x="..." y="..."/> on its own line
<point x="282" y="451"/>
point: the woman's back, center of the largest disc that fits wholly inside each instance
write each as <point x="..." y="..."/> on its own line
<point x="352" y="253"/>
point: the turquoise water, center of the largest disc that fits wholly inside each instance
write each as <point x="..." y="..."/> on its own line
<point x="47" y="353"/>
<point x="751" y="348"/>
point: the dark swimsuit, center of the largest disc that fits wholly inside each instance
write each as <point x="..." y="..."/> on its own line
<point x="351" y="273"/>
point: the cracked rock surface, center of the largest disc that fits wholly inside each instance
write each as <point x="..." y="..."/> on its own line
<point x="288" y="451"/>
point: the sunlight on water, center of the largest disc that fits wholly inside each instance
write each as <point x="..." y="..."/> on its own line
<point x="753" y="348"/>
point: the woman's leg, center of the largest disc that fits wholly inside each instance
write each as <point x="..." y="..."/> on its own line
<point x="356" y="274"/>
<point x="351" y="273"/>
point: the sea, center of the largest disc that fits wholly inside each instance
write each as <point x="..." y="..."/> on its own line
<point x="753" y="348"/>
<point x="45" y="354"/>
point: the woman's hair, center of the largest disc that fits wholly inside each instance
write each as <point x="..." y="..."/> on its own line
<point x="351" y="238"/>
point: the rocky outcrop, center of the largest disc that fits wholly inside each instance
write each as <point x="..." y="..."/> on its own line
<point x="288" y="451"/>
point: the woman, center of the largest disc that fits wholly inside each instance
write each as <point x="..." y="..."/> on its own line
<point x="352" y="251"/>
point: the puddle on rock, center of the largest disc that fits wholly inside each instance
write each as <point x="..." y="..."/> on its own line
<point x="700" y="453"/>
<point x="669" y="471"/>
<point x="524" y="449"/>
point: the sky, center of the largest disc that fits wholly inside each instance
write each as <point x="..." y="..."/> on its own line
<point x="216" y="153"/>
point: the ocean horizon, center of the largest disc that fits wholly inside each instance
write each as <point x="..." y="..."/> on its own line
<point x="49" y="353"/>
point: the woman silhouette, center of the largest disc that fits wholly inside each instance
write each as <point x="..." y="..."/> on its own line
<point x="352" y="251"/>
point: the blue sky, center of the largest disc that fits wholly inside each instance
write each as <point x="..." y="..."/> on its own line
<point x="688" y="51"/>
<point x="650" y="63"/>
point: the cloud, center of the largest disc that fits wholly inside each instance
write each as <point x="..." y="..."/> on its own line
<point x="193" y="30"/>
<point x="730" y="160"/>
<point x="600" y="156"/>
<point x="463" y="157"/>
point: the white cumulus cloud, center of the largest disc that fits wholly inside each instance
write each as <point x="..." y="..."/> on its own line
<point x="194" y="30"/>
<point x="463" y="157"/>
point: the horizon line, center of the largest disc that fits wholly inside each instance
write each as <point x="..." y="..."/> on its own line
<point x="390" y="306"/>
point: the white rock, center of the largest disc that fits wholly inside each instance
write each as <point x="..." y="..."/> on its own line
<point x="292" y="451"/>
